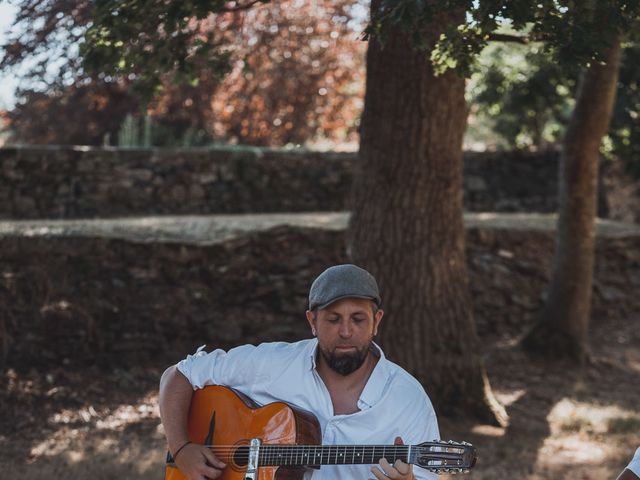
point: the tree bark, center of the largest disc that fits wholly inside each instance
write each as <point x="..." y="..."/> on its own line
<point x="562" y="328"/>
<point x="407" y="226"/>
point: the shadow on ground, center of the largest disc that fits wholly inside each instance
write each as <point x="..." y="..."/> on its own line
<point x="89" y="324"/>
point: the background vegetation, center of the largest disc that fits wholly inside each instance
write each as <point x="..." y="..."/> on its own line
<point x="295" y="75"/>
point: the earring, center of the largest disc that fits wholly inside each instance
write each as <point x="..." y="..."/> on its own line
<point x="313" y="331"/>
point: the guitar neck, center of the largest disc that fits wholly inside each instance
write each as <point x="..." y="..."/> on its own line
<point x="316" y="455"/>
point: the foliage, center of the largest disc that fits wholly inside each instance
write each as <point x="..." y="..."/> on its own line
<point x="44" y="40"/>
<point x="576" y="33"/>
<point x="526" y="98"/>
<point x="299" y="74"/>
<point x="625" y="124"/>
<point x="143" y="40"/>
<point x="93" y="112"/>
<point x="293" y="69"/>
<point x="80" y="114"/>
<point x="294" y="73"/>
<point x="523" y="95"/>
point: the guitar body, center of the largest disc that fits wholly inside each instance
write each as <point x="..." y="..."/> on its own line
<point x="221" y="416"/>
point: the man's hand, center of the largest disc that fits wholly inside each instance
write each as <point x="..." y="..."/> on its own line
<point x="197" y="462"/>
<point x="399" y="470"/>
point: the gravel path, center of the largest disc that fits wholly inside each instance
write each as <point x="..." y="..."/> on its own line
<point x="211" y="229"/>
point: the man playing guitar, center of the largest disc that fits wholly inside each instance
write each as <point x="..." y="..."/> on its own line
<point x="340" y="375"/>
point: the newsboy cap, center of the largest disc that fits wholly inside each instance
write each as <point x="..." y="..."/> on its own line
<point x="342" y="281"/>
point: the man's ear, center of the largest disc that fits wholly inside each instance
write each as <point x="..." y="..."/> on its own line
<point x="376" y="321"/>
<point x="312" y="321"/>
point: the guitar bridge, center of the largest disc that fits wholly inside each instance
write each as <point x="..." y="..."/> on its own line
<point x="252" y="466"/>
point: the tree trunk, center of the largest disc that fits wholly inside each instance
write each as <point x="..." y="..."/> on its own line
<point x="562" y="328"/>
<point x="407" y="225"/>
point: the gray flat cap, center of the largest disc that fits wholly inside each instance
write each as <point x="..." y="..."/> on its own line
<point x="342" y="281"/>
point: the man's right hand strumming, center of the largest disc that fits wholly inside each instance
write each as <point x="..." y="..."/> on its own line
<point x="197" y="462"/>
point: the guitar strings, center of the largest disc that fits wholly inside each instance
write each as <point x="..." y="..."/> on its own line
<point x="294" y="454"/>
<point x="293" y="449"/>
<point x="299" y="452"/>
<point x="332" y="448"/>
<point x="289" y="448"/>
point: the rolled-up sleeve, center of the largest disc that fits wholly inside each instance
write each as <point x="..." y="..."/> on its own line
<point x="236" y="368"/>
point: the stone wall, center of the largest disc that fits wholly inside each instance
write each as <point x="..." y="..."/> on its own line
<point x="81" y="182"/>
<point x="77" y="301"/>
<point x="74" y="182"/>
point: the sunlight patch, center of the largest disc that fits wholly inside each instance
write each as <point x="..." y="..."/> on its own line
<point x="488" y="430"/>
<point x="570" y="416"/>
<point x="507" y="397"/>
<point x="106" y="419"/>
<point x="87" y="427"/>
<point x="127" y="414"/>
<point x="572" y="450"/>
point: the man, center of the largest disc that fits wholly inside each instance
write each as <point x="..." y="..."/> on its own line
<point x="341" y="376"/>
<point x="632" y="472"/>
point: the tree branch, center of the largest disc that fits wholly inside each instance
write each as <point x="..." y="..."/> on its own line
<point x="239" y="8"/>
<point x="503" y="37"/>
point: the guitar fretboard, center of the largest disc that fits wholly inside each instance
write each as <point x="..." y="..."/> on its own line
<point x="315" y="455"/>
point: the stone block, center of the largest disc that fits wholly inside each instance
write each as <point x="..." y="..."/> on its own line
<point x="474" y="183"/>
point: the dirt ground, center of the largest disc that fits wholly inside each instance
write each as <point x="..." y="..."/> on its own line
<point x="75" y="408"/>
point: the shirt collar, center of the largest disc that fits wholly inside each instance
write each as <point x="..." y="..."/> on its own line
<point x="313" y="349"/>
<point x="377" y="382"/>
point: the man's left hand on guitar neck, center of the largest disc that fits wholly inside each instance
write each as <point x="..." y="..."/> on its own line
<point x="398" y="471"/>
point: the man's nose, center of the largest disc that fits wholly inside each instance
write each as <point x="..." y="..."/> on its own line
<point x="345" y="330"/>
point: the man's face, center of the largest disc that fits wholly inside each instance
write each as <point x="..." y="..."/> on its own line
<point x="345" y="330"/>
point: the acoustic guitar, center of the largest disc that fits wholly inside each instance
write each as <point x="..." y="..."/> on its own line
<point x="279" y="441"/>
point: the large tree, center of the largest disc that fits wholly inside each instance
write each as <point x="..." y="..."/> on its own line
<point x="564" y="322"/>
<point x="407" y="223"/>
<point x="578" y="34"/>
<point x="543" y="98"/>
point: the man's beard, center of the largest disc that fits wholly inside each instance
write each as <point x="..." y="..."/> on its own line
<point x="345" y="363"/>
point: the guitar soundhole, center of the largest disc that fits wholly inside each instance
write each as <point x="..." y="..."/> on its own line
<point x="241" y="456"/>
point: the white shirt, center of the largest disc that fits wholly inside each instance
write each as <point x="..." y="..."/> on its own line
<point x="392" y="403"/>
<point x="634" y="464"/>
